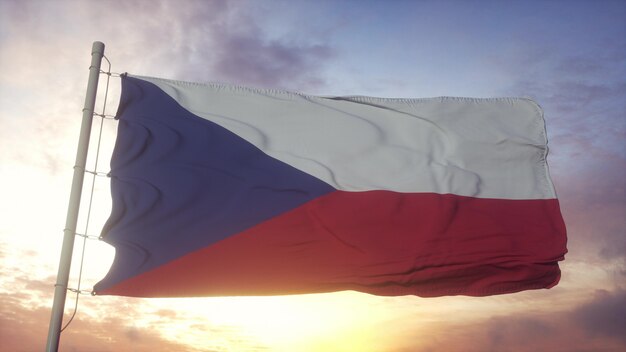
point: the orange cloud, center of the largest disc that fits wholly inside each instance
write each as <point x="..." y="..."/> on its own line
<point x="25" y="329"/>
<point x="595" y="325"/>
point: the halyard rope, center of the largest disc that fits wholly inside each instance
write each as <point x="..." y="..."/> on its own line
<point x="103" y="116"/>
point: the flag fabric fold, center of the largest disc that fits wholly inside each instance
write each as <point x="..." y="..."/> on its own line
<point x="222" y="190"/>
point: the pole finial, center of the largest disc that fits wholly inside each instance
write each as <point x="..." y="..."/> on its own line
<point x="97" y="47"/>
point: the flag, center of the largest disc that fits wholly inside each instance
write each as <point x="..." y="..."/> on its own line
<point x="222" y="190"/>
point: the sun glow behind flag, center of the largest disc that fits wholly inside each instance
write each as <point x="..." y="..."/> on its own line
<point x="222" y="190"/>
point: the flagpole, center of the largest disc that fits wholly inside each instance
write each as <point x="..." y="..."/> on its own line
<point x="60" y="289"/>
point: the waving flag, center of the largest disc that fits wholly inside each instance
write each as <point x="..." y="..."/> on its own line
<point x="225" y="190"/>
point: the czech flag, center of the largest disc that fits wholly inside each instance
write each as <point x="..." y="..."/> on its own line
<point x="221" y="190"/>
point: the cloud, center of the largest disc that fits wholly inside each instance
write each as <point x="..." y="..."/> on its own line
<point x="604" y="316"/>
<point x="582" y="95"/>
<point x="593" y="325"/>
<point x="41" y="101"/>
<point x="247" y="58"/>
<point x="206" y="41"/>
<point x="229" y="45"/>
<point x="24" y="329"/>
<point x="25" y="315"/>
<point x="101" y="323"/>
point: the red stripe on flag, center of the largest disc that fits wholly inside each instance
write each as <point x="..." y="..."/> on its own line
<point x="378" y="242"/>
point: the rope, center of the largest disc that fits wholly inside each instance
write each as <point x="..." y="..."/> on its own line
<point x="89" y="237"/>
<point x="104" y="116"/>
<point x="111" y="74"/>
<point x="98" y="173"/>
<point x="80" y="292"/>
<point x="85" y="236"/>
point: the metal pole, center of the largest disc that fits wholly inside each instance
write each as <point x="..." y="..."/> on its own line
<point x="60" y="289"/>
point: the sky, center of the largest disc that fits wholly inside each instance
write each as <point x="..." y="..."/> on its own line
<point x="569" y="56"/>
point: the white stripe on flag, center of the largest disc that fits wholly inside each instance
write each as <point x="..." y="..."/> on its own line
<point x="486" y="148"/>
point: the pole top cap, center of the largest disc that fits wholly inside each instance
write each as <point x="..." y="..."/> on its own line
<point x="98" y="47"/>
